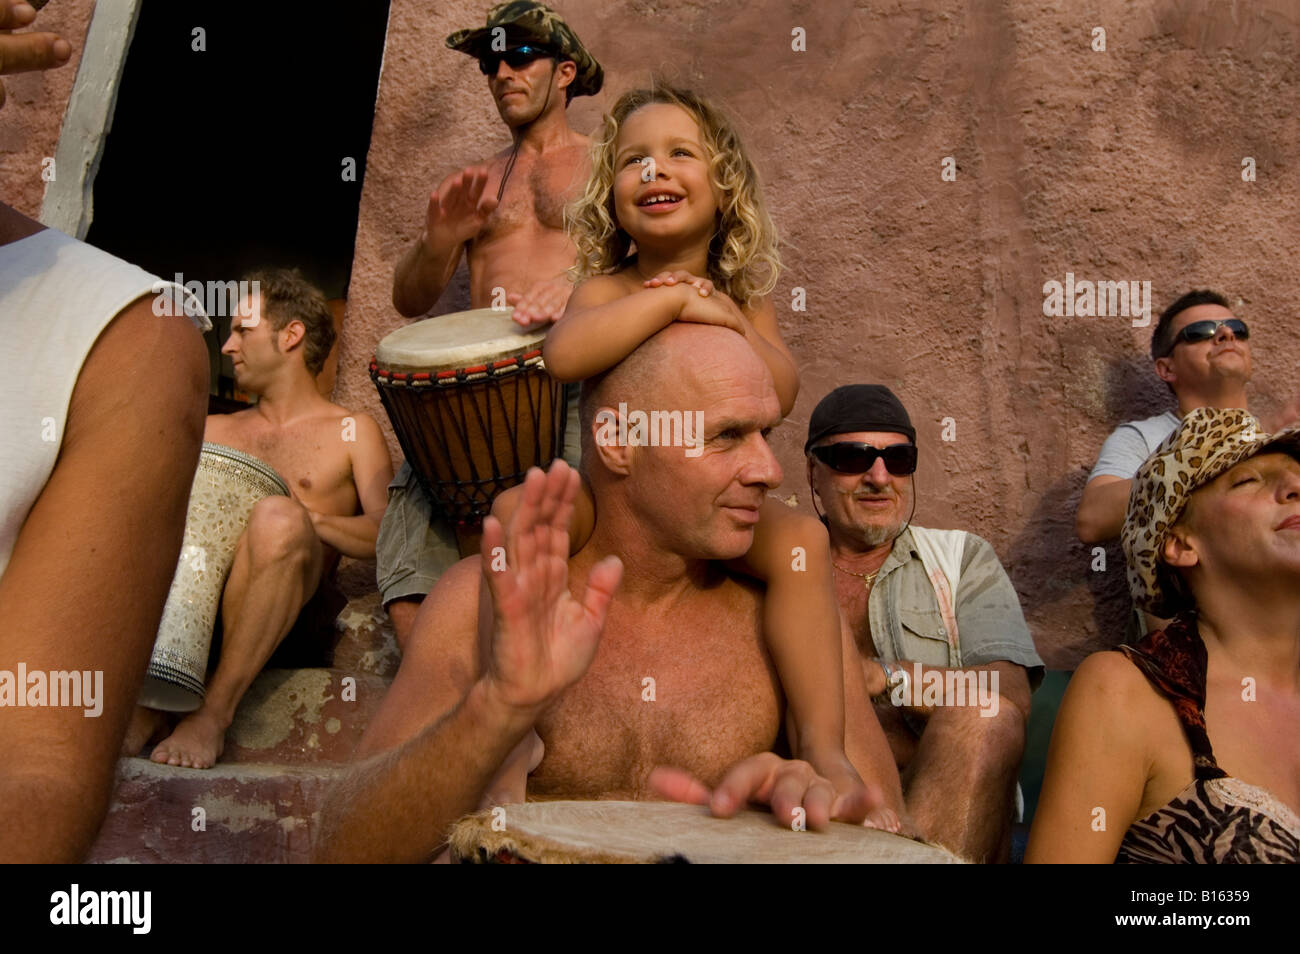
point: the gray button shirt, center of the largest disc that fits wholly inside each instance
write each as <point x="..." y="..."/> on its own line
<point x="906" y="623"/>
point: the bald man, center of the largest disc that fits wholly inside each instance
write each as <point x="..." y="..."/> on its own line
<point x="454" y="712"/>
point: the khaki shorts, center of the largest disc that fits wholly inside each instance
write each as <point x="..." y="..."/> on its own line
<point x="415" y="545"/>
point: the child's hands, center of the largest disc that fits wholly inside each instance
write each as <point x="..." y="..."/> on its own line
<point x="681" y="277"/>
<point x="850" y="790"/>
<point x="712" y="310"/>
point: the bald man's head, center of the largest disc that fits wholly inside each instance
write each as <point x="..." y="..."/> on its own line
<point x="670" y="370"/>
<point x="699" y="499"/>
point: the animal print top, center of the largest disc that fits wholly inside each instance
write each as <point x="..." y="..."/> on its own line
<point x="1216" y="819"/>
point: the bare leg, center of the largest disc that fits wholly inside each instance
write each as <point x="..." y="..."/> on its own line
<point x="403" y="612"/>
<point x="277" y="566"/>
<point x="146" y="725"/>
<point x="960" y="784"/>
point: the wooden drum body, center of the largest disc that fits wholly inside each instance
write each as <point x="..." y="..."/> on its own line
<point x="667" y="832"/>
<point x="472" y="406"/>
<point x="227" y="485"/>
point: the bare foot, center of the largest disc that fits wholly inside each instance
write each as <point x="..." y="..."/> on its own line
<point x="197" y="742"/>
<point x="146" y="725"/>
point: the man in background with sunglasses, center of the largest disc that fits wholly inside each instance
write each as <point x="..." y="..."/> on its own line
<point x="1202" y="353"/>
<point x="506" y="217"/>
<point x="924" y="603"/>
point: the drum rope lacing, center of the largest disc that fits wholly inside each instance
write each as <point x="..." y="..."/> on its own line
<point x="457" y="376"/>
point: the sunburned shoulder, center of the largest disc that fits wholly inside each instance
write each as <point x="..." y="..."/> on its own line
<point x="342" y="415"/>
<point x="1115" y="687"/>
<point x="448" y="618"/>
<point x="622" y="280"/>
<point x="458" y="585"/>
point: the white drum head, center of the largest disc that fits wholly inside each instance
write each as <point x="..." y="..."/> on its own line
<point x="462" y="339"/>
<point x="618" y="832"/>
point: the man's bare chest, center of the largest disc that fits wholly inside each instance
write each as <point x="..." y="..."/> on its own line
<point x="313" y="460"/>
<point x="701" y="697"/>
<point x="536" y="193"/>
<point x="854" y="601"/>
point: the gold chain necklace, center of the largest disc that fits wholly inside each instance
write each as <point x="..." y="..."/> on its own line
<point x="867" y="578"/>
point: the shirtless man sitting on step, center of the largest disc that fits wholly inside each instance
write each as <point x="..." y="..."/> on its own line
<point x="337" y="467"/>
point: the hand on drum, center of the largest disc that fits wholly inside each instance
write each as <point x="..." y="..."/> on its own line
<point x="543" y="639"/>
<point x="782" y="784"/>
<point x="25" y="52"/>
<point x="542" y="304"/>
<point x="458" y="210"/>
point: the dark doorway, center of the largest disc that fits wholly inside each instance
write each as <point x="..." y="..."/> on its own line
<point x="233" y="157"/>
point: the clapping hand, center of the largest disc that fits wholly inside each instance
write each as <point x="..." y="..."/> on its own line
<point x="542" y="638"/>
<point x="458" y="209"/>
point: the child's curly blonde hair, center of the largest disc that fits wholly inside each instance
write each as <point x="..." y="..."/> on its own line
<point x="743" y="257"/>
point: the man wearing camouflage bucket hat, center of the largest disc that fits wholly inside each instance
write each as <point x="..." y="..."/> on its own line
<point x="527" y="22"/>
<point x="506" y="217"/>
<point x="1183" y="747"/>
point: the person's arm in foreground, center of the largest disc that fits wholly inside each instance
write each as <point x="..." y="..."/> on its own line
<point x="1096" y="766"/>
<point x="397" y="804"/>
<point x="603" y="324"/>
<point x="801" y="627"/>
<point x="89" y="574"/>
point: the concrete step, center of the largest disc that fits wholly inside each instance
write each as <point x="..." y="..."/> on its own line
<point x="301" y="716"/>
<point x="366" y="642"/>
<point x="231" y="813"/>
<point x="294" y="730"/>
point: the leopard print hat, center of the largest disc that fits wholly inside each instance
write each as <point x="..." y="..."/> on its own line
<point x="1207" y="443"/>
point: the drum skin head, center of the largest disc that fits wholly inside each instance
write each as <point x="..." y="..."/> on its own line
<point x="458" y="340"/>
<point x="667" y="832"/>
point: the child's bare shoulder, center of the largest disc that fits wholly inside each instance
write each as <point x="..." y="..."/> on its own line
<point x="609" y="286"/>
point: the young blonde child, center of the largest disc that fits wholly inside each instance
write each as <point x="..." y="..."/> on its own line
<point x="672" y="227"/>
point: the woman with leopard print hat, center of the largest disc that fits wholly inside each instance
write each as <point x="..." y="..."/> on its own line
<point x="1186" y="747"/>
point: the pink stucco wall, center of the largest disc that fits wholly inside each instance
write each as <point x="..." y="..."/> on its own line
<point x="33" y="110"/>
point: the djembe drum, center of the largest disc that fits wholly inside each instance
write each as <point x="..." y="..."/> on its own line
<point x="668" y="832"/>
<point x="227" y="485"/>
<point x="473" y="408"/>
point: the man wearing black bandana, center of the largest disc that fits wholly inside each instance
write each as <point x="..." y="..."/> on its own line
<point x="506" y="215"/>
<point x="943" y="643"/>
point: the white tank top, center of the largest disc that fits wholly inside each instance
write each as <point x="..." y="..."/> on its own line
<point x="56" y="296"/>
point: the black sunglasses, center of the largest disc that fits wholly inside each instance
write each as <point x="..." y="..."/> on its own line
<point x="1199" y="331"/>
<point x="517" y="58"/>
<point x="846" y="457"/>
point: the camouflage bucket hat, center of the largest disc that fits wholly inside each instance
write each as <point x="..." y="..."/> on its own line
<point x="526" y="21"/>
<point x="1207" y="443"/>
